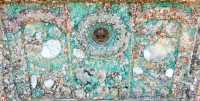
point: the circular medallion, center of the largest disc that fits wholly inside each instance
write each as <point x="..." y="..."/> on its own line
<point x="102" y="35"/>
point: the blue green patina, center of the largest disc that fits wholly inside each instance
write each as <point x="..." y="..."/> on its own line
<point x="89" y="74"/>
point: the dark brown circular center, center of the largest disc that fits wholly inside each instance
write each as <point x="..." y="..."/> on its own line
<point x="100" y="35"/>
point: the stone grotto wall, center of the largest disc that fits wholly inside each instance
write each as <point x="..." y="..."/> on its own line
<point x="100" y="51"/>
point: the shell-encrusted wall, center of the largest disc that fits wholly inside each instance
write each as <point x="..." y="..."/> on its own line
<point x="100" y="51"/>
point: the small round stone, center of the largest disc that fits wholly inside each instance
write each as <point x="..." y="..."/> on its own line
<point x="169" y="72"/>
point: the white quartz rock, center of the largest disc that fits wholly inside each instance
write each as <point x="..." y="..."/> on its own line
<point x="80" y="93"/>
<point x="48" y="84"/>
<point x="118" y="78"/>
<point x="169" y="72"/>
<point x="155" y="53"/>
<point x="51" y="49"/>
<point x="99" y="90"/>
<point x="1" y="57"/>
<point x="33" y="81"/>
<point x="199" y="56"/>
<point x="79" y="53"/>
<point x="137" y="70"/>
<point x="192" y="87"/>
<point x="101" y="76"/>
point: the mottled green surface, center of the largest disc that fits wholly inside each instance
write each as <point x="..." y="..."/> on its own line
<point x="118" y="68"/>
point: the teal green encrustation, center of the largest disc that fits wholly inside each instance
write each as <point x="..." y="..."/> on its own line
<point x="78" y="11"/>
<point x="122" y="12"/>
<point x="118" y="68"/>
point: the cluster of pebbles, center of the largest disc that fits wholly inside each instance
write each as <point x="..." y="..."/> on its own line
<point x="100" y="51"/>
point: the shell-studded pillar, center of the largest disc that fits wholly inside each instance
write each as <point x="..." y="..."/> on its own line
<point x="193" y="77"/>
<point x="6" y="80"/>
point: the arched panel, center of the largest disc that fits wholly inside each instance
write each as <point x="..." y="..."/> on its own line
<point x="37" y="39"/>
<point x="163" y="48"/>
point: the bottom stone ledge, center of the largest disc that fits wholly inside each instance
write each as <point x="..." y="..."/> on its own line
<point x="125" y="99"/>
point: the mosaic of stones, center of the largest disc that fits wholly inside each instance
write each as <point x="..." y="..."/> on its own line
<point x="100" y="51"/>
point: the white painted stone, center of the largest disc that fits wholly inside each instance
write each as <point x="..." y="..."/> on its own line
<point x="11" y="86"/>
<point x="1" y="45"/>
<point x="147" y="54"/>
<point x="6" y="81"/>
<point x="192" y="87"/>
<point x="51" y="49"/>
<point x="195" y="80"/>
<point x="199" y="56"/>
<point x="79" y="53"/>
<point x="137" y="70"/>
<point x="80" y="93"/>
<point x="1" y="51"/>
<point x="169" y="72"/>
<point x="1" y="57"/>
<point x="100" y="90"/>
<point x="155" y="53"/>
<point x="33" y="81"/>
<point x="48" y="84"/>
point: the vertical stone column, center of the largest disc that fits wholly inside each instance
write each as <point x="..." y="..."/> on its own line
<point x="7" y="86"/>
<point x="194" y="74"/>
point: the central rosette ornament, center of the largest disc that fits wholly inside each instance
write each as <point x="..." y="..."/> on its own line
<point x="102" y="34"/>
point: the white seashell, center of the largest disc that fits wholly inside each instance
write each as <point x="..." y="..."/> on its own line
<point x="169" y="72"/>
<point x="48" y="84"/>
<point x="33" y="81"/>
<point x="78" y="53"/>
<point x="147" y="54"/>
<point x="137" y="70"/>
<point x="155" y="53"/>
<point x="51" y="49"/>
